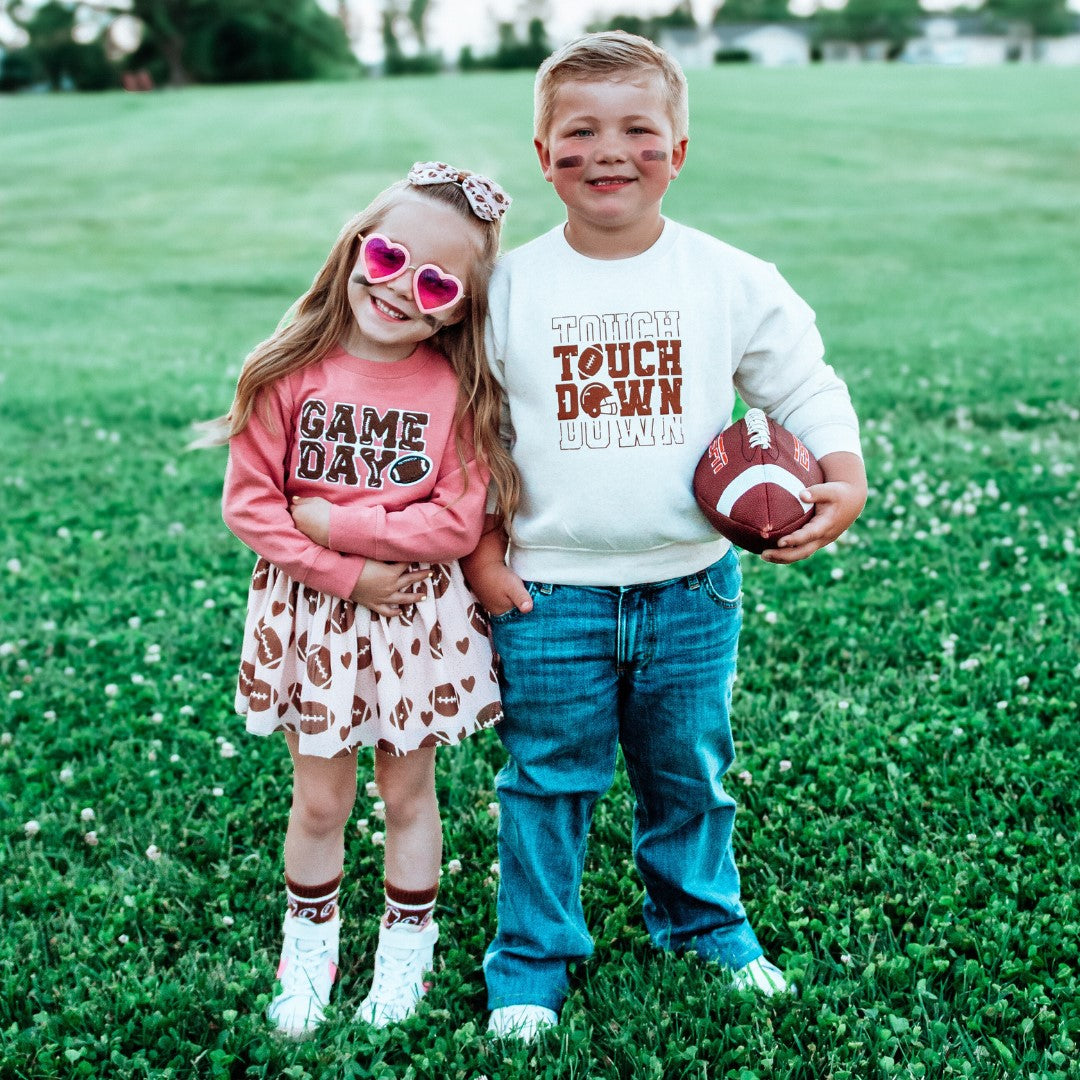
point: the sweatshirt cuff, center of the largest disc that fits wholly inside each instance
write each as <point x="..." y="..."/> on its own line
<point x="334" y="573"/>
<point x="833" y="439"/>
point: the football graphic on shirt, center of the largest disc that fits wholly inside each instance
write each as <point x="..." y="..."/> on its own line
<point x="749" y="480"/>
<point x="597" y="399"/>
<point x="590" y="362"/>
<point x="410" y="469"/>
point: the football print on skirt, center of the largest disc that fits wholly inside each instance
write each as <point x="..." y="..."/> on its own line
<point x="341" y="676"/>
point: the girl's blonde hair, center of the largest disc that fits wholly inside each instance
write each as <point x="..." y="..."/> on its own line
<point x="612" y="55"/>
<point x="322" y="317"/>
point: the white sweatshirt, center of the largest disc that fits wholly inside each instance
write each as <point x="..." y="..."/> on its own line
<point x="618" y="373"/>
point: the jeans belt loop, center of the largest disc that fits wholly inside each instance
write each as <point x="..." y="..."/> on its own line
<point x="545" y="588"/>
<point x="693" y="581"/>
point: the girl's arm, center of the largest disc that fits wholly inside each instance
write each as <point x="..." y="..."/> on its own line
<point x="446" y="524"/>
<point x="255" y="507"/>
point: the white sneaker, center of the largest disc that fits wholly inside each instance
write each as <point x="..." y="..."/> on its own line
<point x="762" y="976"/>
<point x="308" y="967"/>
<point x="523" y="1022"/>
<point x="402" y="958"/>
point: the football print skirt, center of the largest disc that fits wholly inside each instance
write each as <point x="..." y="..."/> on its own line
<point x="341" y="676"/>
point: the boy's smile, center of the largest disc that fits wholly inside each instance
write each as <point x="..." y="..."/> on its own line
<point x="611" y="153"/>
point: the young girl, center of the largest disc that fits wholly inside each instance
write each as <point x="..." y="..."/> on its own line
<point x="362" y="439"/>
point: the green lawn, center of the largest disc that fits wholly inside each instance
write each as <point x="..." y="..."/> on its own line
<point x="915" y="865"/>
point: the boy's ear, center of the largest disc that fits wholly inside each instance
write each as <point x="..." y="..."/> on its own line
<point x="544" y="155"/>
<point x="678" y="157"/>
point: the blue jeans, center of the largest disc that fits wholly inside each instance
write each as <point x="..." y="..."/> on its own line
<point x="649" y="667"/>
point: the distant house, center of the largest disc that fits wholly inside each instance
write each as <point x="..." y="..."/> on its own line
<point x="1058" y="51"/>
<point x="970" y="41"/>
<point x="768" y="44"/>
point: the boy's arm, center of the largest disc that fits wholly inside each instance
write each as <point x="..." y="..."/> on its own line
<point x="838" y="502"/>
<point x="497" y="587"/>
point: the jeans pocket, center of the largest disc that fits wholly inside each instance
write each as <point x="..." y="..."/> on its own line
<point x="513" y="613"/>
<point x="723" y="582"/>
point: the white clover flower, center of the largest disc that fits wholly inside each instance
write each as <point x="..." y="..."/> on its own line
<point x="453" y="866"/>
<point x="15" y="695"/>
<point x="175" y="528"/>
<point x="972" y="837"/>
<point x="123" y="939"/>
<point x="495" y="869"/>
<point x="134" y="622"/>
<point x="174" y="758"/>
<point x="999" y="835"/>
<point x="371" y="789"/>
<point x="362" y="825"/>
<point x="87" y="813"/>
<point x="153" y="853"/>
<point x="111" y="689"/>
<point x="746" y="777"/>
<point x="198" y="583"/>
<point x="227" y="920"/>
<point x="6" y="648"/>
<point x="845" y="959"/>
<point x="186" y="710"/>
<point x="228" y="750"/>
<point x="209" y="602"/>
<point x="138" y="679"/>
<point x="14" y="566"/>
<point x="67" y="774"/>
<point x="785" y="765"/>
<point x="970" y="664"/>
<point x="493" y="809"/>
<point x="157" y="718"/>
<point x="98" y="534"/>
<point x="48" y="625"/>
<point x="836" y="573"/>
<point x="217" y="792"/>
<point x="90" y="838"/>
<point x="843" y="705"/>
<point x="378" y="839"/>
<point x="378" y="811"/>
<point x="771" y="617"/>
<point x="6" y="738"/>
<point x="958" y="732"/>
<point x="1002" y="706"/>
<point x="1023" y="682"/>
<point x="32" y="828"/>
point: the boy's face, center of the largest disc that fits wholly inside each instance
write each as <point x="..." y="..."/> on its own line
<point x="611" y="152"/>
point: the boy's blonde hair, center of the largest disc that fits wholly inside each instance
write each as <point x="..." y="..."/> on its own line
<point x="611" y="55"/>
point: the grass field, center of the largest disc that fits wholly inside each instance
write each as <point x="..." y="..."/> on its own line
<point x="907" y="710"/>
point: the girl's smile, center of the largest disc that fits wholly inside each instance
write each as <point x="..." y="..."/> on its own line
<point x="387" y="321"/>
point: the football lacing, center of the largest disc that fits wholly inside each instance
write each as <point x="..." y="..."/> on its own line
<point x="757" y="423"/>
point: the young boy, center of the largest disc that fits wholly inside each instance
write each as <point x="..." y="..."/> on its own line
<point x="620" y="338"/>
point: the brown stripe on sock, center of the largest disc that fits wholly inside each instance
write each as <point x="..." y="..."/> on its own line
<point x="316" y="903"/>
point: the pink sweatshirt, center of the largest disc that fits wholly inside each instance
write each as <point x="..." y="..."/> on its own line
<point x="377" y="441"/>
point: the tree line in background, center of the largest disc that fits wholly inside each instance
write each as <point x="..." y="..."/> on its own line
<point x="74" y="43"/>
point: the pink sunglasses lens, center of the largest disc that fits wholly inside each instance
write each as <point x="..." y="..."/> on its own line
<point x="433" y="291"/>
<point x="381" y="259"/>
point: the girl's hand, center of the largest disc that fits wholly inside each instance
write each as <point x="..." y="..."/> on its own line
<point x="312" y="518"/>
<point x="386" y="588"/>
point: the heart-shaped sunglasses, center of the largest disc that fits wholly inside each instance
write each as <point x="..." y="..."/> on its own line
<point x="433" y="288"/>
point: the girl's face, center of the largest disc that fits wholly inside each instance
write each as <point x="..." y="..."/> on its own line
<point x="388" y="322"/>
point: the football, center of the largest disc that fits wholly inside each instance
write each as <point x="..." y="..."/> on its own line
<point x="749" y="479"/>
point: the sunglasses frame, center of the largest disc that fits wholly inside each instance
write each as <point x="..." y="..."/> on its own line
<point x="443" y="275"/>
